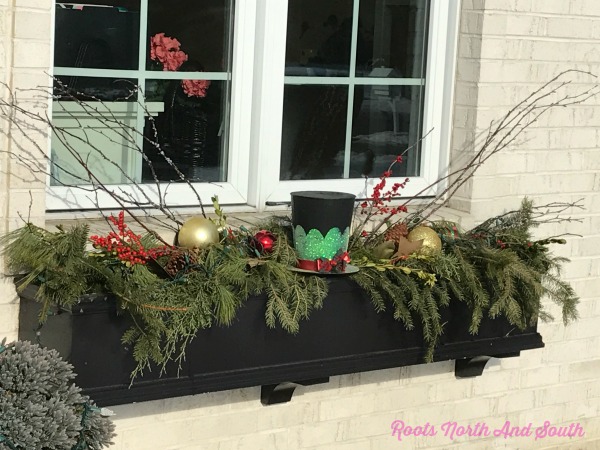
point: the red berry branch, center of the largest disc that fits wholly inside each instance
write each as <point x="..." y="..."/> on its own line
<point x="126" y="245"/>
<point x="379" y="201"/>
<point x="375" y="204"/>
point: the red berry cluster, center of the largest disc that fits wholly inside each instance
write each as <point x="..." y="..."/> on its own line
<point x="376" y="202"/>
<point x="127" y="245"/>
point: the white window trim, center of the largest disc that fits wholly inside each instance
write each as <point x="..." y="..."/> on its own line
<point x="256" y="117"/>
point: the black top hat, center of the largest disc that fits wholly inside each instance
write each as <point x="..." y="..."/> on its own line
<point x="321" y="222"/>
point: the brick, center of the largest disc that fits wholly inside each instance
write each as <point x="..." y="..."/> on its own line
<point x="507" y="5"/>
<point x="500" y="185"/>
<point x="465" y="410"/>
<point x="354" y="445"/>
<point x="591" y="161"/>
<point x="503" y="380"/>
<point x="583" y="370"/>
<point x="32" y="25"/>
<point x="586" y="247"/>
<point x="379" y="379"/>
<point x="407" y="396"/>
<point x="32" y="54"/>
<point x="505" y="48"/>
<point x="513" y="402"/>
<point x="319" y="434"/>
<point x="286" y="416"/>
<point x="425" y="373"/>
<point x="582" y="410"/>
<point x="509" y="163"/>
<point x="471" y="22"/>
<point x="337" y="408"/>
<point x="258" y="441"/>
<point x="565" y="393"/>
<point x="468" y="72"/>
<point x="587" y="308"/>
<point x="455" y="389"/>
<point x="543" y="6"/>
<point x="552" y="332"/>
<point x="537" y="416"/>
<point x="583" y="328"/>
<point x="43" y="5"/>
<point x="539" y="376"/>
<point x="160" y="435"/>
<point x="563" y="183"/>
<point x="371" y="425"/>
<point x="543" y="161"/>
<point x="568" y="350"/>
<point x="586" y="8"/>
<point x="470" y="47"/>
<point x="9" y="320"/>
<point x="527" y="360"/>
<point x="494" y="24"/>
<point x="527" y="25"/>
<point x="570" y="28"/>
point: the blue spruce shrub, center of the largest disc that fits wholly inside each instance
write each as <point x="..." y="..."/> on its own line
<point x="41" y="408"/>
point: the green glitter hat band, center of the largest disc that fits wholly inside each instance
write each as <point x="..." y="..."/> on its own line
<point x="313" y="245"/>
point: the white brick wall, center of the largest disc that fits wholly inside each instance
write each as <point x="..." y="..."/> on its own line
<point x="506" y="49"/>
<point x="25" y="49"/>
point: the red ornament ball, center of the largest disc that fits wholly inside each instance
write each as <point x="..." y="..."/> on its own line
<point x="264" y="241"/>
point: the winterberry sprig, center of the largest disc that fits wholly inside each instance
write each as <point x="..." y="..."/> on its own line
<point x="126" y="245"/>
<point x="376" y="204"/>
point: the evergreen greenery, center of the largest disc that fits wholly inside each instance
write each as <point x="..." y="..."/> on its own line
<point x="41" y="408"/>
<point x="496" y="269"/>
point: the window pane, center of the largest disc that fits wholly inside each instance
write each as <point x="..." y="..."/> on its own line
<point x="95" y="125"/>
<point x="319" y="37"/>
<point x="188" y="122"/>
<point x="387" y="121"/>
<point x="341" y="127"/>
<point x="201" y="28"/>
<point x="314" y="131"/>
<point x="99" y="35"/>
<point x="392" y="38"/>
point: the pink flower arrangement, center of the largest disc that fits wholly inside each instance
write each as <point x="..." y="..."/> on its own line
<point x="167" y="51"/>
<point x="195" y="88"/>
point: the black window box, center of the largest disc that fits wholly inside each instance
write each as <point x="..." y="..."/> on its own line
<point x="345" y="336"/>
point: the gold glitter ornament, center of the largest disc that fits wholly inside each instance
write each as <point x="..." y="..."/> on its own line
<point x="198" y="232"/>
<point x="432" y="244"/>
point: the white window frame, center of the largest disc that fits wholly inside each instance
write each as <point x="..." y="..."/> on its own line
<point x="234" y="191"/>
<point x="256" y="116"/>
<point x="265" y="186"/>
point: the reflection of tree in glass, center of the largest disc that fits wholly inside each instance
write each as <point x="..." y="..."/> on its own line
<point x="321" y="135"/>
<point x="335" y="51"/>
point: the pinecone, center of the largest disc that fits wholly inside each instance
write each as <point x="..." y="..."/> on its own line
<point x="180" y="261"/>
<point x="397" y="231"/>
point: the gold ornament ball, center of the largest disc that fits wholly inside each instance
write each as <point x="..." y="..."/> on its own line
<point x="198" y="232"/>
<point x="432" y="244"/>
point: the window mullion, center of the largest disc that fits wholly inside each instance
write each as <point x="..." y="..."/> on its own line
<point x="267" y="109"/>
<point x="141" y="80"/>
<point x="352" y="76"/>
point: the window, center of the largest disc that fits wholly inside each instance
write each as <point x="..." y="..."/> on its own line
<point x="255" y="99"/>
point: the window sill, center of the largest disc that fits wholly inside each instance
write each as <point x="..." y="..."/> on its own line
<point x="345" y="336"/>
